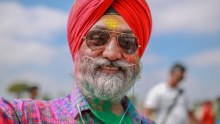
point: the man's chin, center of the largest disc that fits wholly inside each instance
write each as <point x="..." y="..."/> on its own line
<point x="102" y="94"/>
<point x="112" y="98"/>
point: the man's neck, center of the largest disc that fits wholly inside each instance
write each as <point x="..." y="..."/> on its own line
<point x="117" y="108"/>
<point x="99" y="105"/>
<point x="171" y="84"/>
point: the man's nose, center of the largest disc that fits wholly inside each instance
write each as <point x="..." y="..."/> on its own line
<point x="112" y="51"/>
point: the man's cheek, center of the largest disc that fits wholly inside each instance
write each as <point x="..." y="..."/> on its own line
<point x="132" y="59"/>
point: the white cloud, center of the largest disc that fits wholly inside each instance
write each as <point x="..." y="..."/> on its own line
<point x="150" y="59"/>
<point x="26" y="31"/>
<point x="16" y="53"/>
<point x="20" y="21"/>
<point x="195" y="86"/>
<point x="205" y="59"/>
<point x="193" y="16"/>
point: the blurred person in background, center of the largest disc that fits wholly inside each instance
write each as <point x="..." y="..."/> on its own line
<point x="107" y="39"/>
<point x="167" y="100"/>
<point x="33" y="92"/>
<point x="207" y="116"/>
<point x="217" y="110"/>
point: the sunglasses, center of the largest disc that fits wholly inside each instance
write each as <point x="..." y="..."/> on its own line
<point x="98" y="39"/>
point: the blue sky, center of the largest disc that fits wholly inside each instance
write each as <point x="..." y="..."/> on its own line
<point x="34" y="47"/>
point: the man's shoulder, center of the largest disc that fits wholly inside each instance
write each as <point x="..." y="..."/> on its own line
<point x="159" y="88"/>
<point x="27" y="103"/>
<point x="15" y="102"/>
<point x="18" y="109"/>
<point x="22" y="104"/>
<point x="42" y="111"/>
<point x="161" y="85"/>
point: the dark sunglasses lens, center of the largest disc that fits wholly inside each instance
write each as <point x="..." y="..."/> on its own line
<point x="128" y="43"/>
<point x="96" y="39"/>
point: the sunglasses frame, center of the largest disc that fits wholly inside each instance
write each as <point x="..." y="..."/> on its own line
<point x="110" y="34"/>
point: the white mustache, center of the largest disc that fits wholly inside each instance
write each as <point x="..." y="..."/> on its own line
<point x="100" y="61"/>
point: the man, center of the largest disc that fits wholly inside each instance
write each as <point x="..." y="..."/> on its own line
<point x="33" y="91"/>
<point x="107" y="39"/>
<point x="167" y="101"/>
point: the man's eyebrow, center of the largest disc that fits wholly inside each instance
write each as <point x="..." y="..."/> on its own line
<point x="101" y="27"/>
<point x="128" y="31"/>
<point x="104" y="28"/>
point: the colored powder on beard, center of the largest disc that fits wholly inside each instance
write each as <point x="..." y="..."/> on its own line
<point x="102" y="111"/>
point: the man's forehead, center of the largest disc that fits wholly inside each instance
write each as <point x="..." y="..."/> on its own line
<point x="178" y="71"/>
<point x="113" y="22"/>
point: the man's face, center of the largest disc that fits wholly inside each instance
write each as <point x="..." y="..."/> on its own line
<point x="34" y="93"/>
<point x="107" y="73"/>
<point x="177" y="75"/>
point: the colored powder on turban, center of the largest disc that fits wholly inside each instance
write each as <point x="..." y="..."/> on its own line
<point x="85" y="13"/>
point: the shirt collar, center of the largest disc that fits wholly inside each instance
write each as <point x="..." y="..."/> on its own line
<point x="78" y="98"/>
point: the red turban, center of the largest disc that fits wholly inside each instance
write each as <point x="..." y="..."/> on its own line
<point x="85" y="13"/>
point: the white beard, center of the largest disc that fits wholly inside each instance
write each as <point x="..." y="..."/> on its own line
<point x="96" y="84"/>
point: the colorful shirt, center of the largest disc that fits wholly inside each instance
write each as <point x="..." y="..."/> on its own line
<point x="62" y="110"/>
